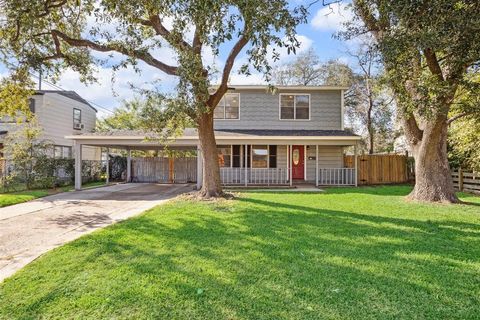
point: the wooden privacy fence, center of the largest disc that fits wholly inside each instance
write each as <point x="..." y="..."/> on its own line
<point x="466" y="181"/>
<point x="379" y="168"/>
<point x="164" y="170"/>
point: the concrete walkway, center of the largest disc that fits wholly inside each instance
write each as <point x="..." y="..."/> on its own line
<point x="30" y="229"/>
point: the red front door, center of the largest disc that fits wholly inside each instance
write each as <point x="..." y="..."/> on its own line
<point x="298" y="162"/>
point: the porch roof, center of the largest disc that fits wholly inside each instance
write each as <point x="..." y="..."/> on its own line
<point x="138" y="138"/>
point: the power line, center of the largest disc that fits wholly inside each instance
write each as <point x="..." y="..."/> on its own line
<point x="62" y="89"/>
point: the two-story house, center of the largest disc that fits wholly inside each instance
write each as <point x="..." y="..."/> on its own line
<point x="58" y="114"/>
<point x="293" y="136"/>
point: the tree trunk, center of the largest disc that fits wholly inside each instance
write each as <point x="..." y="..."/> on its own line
<point x="433" y="179"/>
<point x="370" y="134"/>
<point x="211" y="186"/>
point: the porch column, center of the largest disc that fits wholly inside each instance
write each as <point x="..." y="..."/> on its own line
<point x="107" y="180"/>
<point x="129" y="165"/>
<point x="316" y="165"/>
<point x="356" y="164"/>
<point x="245" y="165"/>
<point x="78" y="165"/>
<point x="199" y="168"/>
<point x="290" y="162"/>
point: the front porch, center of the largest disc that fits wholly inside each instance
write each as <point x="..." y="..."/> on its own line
<point x="245" y="159"/>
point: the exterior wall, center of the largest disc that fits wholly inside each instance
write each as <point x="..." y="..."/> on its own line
<point x="54" y="114"/>
<point x="328" y="157"/>
<point x="261" y="110"/>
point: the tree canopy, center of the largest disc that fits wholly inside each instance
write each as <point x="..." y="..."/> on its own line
<point x="427" y="49"/>
<point x="59" y="34"/>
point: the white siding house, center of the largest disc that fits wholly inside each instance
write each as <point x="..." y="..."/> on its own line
<point x="59" y="114"/>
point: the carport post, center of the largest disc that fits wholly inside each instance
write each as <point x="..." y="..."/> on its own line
<point x="129" y="165"/>
<point x="356" y="164"/>
<point x="107" y="180"/>
<point x="316" y="165"/>
<point x="78" y="166"/>
<point x="199" y="168"/>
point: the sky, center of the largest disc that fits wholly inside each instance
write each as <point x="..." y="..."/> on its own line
<point x="317" y="33"/>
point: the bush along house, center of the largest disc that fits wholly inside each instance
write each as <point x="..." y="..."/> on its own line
<point x="293" y="136"/>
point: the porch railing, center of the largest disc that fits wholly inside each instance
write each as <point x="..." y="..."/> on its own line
<point x="255" y="176"/>
<point x="336" y="176"/>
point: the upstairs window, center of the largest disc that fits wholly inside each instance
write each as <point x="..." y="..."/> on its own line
<point x="228" y="108"/>
<point x="294" y="106"/>
<point x="77" y="118"/>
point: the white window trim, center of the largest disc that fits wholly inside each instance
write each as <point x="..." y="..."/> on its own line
<point x="224" y="109"/>
<point x="294" y="106"/>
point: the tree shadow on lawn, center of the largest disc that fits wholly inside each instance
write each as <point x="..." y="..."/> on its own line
<point x="271" y="260"/>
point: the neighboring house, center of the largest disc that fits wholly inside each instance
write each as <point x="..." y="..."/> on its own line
<point x="59" y="114"/>
<point x="294" y="136"/>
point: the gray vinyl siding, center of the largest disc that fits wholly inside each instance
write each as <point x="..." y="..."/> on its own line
<point x="260" y="110"/>
<point x="328" y="157"/>
<point x="282" y="157"/>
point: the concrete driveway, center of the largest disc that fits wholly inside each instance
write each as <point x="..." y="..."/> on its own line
<point x="30" y="229"/>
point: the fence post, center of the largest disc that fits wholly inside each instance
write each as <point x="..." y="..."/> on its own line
<point x="460" y="179"/>
<point x="356" y="164"/>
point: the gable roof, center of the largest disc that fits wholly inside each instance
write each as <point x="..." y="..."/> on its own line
<point x="289" y="87"/>
<point x="69" y="94"/>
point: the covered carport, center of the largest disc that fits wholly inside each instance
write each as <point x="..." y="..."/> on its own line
<point x="128" y="141"/>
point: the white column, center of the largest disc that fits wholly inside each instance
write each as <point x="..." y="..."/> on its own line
<point x="356" y="164"/>
<point x="199" y="168"/>
<point x="305" y="162"/>
<point x="129" y="165"/>
<point x="78" y="166"/>
<point x="291" y="165"/>
<point x="316" y="165"/>
<point x="107" y="180"/>
<point x="245" y="165"/>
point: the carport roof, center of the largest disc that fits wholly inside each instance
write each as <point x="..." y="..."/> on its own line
<point x="192" y="133"/>
<point x="142" y="139"/>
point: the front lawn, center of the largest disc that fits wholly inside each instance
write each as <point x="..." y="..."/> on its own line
<point x="344" y="254"/>
<point x="8" y="199"/>
<point x="11" y="198"/>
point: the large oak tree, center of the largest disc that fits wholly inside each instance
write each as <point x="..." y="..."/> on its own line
<point x="59" y="34"/>
<point x="428" y="47"/>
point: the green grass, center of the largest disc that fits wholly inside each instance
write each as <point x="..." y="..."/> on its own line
<point x="11" y="198"/>
<point x="8" y="199"/>
<point x="344" y="254"/>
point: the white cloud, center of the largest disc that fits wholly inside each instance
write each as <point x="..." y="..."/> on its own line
<point x="242" y="79"/>
<point x="332" y="17"/>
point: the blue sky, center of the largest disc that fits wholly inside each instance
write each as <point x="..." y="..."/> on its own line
<point x="323" y="22"/>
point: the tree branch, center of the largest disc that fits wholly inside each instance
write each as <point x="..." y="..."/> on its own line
<point x="458" y="116"/>
<point x="222" y="88"/>
<point x="432" y="63"/>
<point x="411" y="129"/>
<point x="160" y="29"/>
<point x="138" y="54"/>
